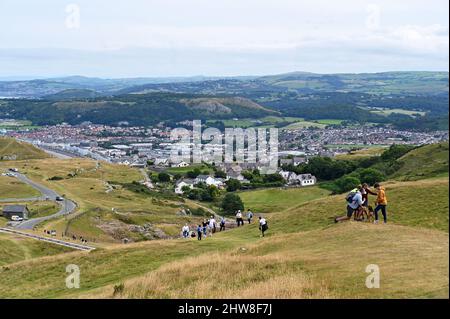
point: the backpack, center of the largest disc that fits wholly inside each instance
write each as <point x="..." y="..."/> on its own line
<point x="350" y="196"/>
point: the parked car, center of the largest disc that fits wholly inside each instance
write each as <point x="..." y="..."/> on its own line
<point x="16" y="218"/>
<point x="59" y="198"/>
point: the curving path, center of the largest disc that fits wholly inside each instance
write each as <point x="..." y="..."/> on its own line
<point x="67" y="206"/>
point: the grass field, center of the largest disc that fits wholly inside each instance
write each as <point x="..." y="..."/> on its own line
<point x="10" y="187"/>
<point x="278" y="199"/>
<point x="305" y="255"/>
<point x="184" y="170"/>
<point x="10" y="149"/>
<point x="267" y="121"/>
<point x="386" y="112"/>
<point x="303" y="124"/>
<point x="14" y="249"/>
<point x="362" y="153"/>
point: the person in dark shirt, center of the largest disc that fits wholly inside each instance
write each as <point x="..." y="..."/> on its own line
<point x="365" y="191"/>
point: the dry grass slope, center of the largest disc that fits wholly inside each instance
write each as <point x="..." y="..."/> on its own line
<point x="10" y="149"/>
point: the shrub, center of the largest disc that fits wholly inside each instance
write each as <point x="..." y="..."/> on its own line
<point x="231" y="203"/>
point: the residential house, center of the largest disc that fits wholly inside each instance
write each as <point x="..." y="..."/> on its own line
<point x="209" y="180"/>
<point x="179" y="164"/>
<point x="235" y="172"/>
<point x="297" y="160"/>
<point x="306" y="179"/>
<point x="185" y="182"/>
<point x="292" y="178"/>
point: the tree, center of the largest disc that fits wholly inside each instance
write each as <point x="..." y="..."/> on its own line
<point x="185" y="189"/>
<point x="233" y="185"/>
<point x="163" y="177"/>
<point x="231" y="203"/>
<point x="194" y="173"/>
<point x="371" y="176"/>
<point x="220" y="174"/>
<point x="347" y="183"/>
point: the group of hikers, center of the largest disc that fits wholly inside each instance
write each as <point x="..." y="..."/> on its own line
<point x="357" y="207"/>
<point x="358" y="204"/>
<point x="209" y="226"/>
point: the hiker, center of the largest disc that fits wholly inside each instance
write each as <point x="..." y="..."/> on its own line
<point x="222" y="223"/>
<point x="263" y="225"/>
<point x="199" y="232"/>
<point x="380" y="203"/>
<point x="204" y="227"/>
<point x="354" y="201"/>
<point x="212" y="224"/>
<point x="239" y="219"/>
<point x="249" y="216"/>
<point x="185" y="230"/>
<point x="205" y="230"/>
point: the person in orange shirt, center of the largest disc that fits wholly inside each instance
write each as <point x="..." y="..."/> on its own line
<point x="381" y="203"/>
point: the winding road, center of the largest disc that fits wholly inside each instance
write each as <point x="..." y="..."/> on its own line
<point x="67" y="206"/>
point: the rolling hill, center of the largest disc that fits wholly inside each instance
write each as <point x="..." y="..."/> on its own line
<point x="136" y="109"/>
<point x="304" y="256"/>
<point x="424" y="162"/>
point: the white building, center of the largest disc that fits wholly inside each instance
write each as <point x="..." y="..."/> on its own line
<point x="208" y="180"/>
<point x="292" y="178"/>
<point x="179" y="185"/>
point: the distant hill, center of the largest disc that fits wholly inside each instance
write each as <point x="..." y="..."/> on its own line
<point x="417" y="83"/>
<point x="11" y="149"/>
<point x="230" y="105"/>
<point x="136" y="109"/>
<point x="70" y="94"/>
<point x="374" y="83"/>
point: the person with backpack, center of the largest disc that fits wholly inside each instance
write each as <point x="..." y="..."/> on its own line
<point x="249" y="216"/>
<point x="199" y="232"/>
<point x="263" y="225"/>
<point x="381" y="203"/>
<point x="354" y="201"/>
<point x="222" y="223"/>
<point x="205" y="227"/>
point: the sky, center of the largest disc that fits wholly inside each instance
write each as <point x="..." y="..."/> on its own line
<point x="161" y="38"/>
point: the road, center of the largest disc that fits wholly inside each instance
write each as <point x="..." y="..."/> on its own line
<point x="50" y="240"/>
<point x="67" y="206"/>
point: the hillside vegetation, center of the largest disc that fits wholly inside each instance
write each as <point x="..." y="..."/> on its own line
<point x="424" y="162"/>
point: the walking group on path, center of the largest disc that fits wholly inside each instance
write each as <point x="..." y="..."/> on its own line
<point x="358" y="204"/>
<point x="209" y="226"/>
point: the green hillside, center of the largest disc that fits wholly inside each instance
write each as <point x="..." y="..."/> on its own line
<point x="11" y="149"/>
<point x="424" y="162"/>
